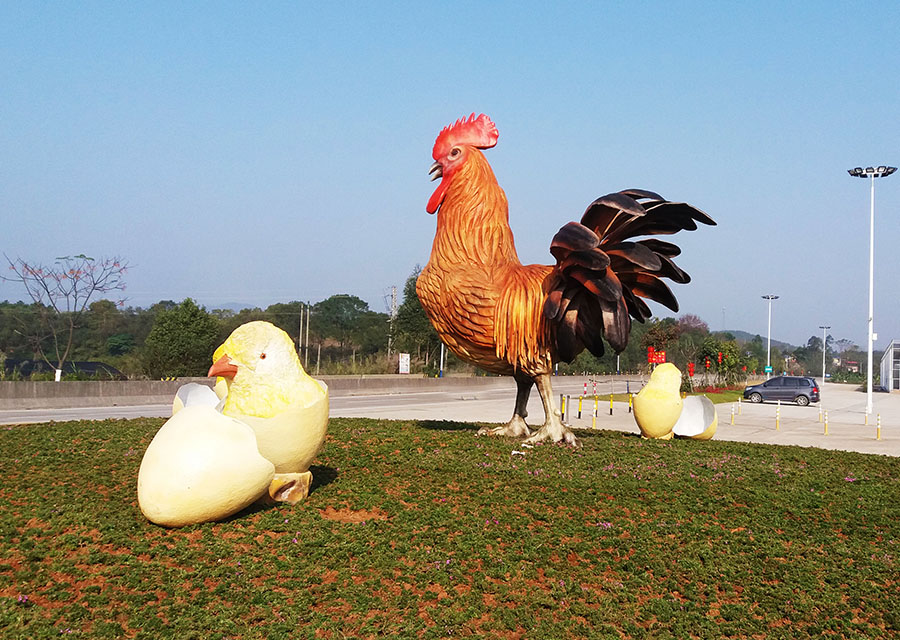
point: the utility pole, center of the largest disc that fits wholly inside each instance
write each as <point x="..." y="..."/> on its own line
<point x="306" y="363"/>
<point x="300" y="333"/>
<point x="391" y="320"/>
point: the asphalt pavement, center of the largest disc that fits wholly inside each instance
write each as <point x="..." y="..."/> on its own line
<point x="848" y="428"/>
<point x="802" y="426"/>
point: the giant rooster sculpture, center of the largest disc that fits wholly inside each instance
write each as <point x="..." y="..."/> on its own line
<point x="515" y="319"/>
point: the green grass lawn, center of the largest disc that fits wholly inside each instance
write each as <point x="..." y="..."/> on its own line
<point x="424" y="530"/>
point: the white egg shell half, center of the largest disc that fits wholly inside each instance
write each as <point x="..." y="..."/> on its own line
<point x="201" y="466"/>
<point x="192" y="394"/>
<point x="698" y="419"/>
<point x="294" y="437"/>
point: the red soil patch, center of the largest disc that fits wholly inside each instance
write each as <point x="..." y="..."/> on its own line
<point x="351" y="516"/>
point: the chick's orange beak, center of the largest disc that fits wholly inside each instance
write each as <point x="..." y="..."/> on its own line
<point x="223" y="367"/>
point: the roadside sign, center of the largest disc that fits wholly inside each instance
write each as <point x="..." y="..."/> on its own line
<point x="769" y="369"/>
<point x="404" y="363"/>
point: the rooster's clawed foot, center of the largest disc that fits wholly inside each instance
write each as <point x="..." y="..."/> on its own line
<point x="515" y="428"/>
<point x="554" y="432"/>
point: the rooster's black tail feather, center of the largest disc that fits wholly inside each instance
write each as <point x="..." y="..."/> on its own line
<point x="602" y="276"/>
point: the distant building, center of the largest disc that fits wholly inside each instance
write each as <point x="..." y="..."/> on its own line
<point x="890" y="367"/>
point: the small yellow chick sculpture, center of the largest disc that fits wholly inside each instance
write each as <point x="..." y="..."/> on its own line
<point x="269" y="390"/>
<point x="214" y="458"/>
<point x="658" y="405"/>
<point x="661" y="413"/>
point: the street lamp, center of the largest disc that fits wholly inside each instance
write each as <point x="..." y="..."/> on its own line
<point x="769" y="297"/>
<point x="871" y="173"/>
<point x="824" y="329"/>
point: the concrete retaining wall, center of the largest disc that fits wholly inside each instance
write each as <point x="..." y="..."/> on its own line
<point x="60" y="395"/>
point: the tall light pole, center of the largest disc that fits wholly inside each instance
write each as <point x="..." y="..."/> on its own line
<point x="824" y="329"/>
<point x="769" y="297"/>
<point x="871" y="173"/>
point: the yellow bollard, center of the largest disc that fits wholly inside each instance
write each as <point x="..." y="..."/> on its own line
<point x="867" y="419"/>
<point x="820" y="414"/>
<point x="778" y="417"/>
<point x="580" y="398"/>
<point x="826" y="423"/>
<point x="740" y="407"/>
<point x="878" y="428"/>
<point x="630" y="400"/>
<point x="610" y="403"/>
<point x="594" y="419"/>
<point x="732" y="415"/>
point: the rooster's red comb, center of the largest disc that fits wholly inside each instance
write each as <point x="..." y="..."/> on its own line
<point x="475" y="131"/>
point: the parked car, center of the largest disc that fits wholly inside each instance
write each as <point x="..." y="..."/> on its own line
<point x="784" y="388"/>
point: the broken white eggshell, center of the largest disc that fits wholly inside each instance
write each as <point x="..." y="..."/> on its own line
<point x="194" y="394"/>
<point x="698" y="419"/>
<point x="201" y="466"/>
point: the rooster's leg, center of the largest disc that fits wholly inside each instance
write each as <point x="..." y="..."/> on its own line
<point x="516" y="427"/>
<point x="553" y="429"/>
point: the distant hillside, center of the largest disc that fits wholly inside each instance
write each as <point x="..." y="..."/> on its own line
<point x="743" y="336"/>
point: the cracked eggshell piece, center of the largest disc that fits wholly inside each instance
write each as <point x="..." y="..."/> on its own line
<point x="194" y="394"/>
<point x="698" y="419"/>
<point x="201" y="466"/>
<point x="291" y="439"/>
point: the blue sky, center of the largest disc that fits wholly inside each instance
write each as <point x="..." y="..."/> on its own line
<point x="265" y="152"/>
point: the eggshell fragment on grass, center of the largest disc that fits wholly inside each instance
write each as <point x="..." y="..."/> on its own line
<point x="698" y="419"/>
<point x="201" y="466"/>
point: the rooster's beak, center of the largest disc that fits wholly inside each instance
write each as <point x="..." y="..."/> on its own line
<point x="436" y="170"/>
<point x="223" y="367"/>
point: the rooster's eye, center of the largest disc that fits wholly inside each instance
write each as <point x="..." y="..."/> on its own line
<point x="262" y="356"/>
<point x="454" y="152"/>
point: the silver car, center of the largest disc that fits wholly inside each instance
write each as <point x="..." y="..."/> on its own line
<point x="785" y="388"/>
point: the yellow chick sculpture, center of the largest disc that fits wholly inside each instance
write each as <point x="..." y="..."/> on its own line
<point x="658" y="405"/>
<point x="215" y="456"/>
<point x="286" y="408"/>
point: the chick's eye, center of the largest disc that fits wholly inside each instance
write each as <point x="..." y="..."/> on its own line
<point x="262" y="356"/>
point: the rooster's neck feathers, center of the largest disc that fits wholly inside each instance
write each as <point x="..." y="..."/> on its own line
<point x="473" y="221"/>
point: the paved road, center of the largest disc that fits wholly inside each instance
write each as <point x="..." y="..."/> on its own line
<point x="803" y="426"/>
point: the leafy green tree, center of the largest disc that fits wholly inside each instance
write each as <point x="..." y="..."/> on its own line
<point x="15" y="318"/>
<point x="181" y="342"/>
<point x="414" y="331"/>
<point x="229" y="321"/>
<point x="119" y="344"/>
<point x="286" y="315"/>
<point x="337" y="317"/>
<point x="756" y="350"/>
<point x="371" y="332"/>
